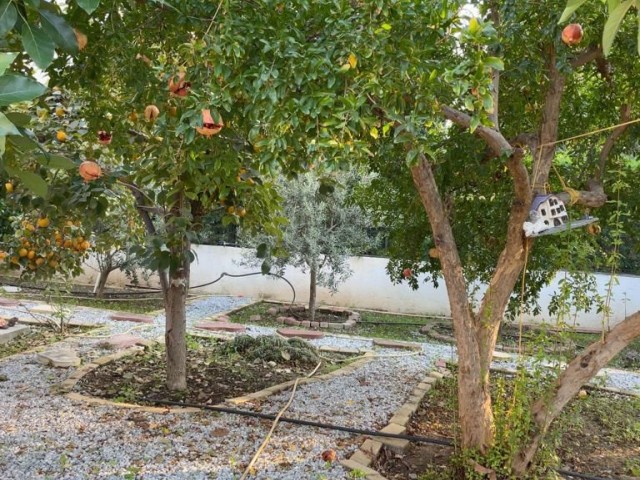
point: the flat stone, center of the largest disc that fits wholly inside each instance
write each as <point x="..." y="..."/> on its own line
<point x="124" y="340"/>
<point x="371" y="448"/>
<point x="305" y="323"/>
<point x="351" y="465"/>
<point x="255" y="318"/>
<point x="49" y="309"/>
<point x="222" y="318"/>
<point x="399" y="419"/>
<point x="8" y="334"/>
<point x="394" y="429"/>
<point x="361" y="457"/>
<point x="8" y="302"/>
<point x="394" y="344"/>
<point x="131" y="317"/>
<point x="221" y="327"/>
<point x="59" y="358"/>
<point x="436" y="375"/>
<point x="291" y="321"/>
<point x="306" y="334"/>
<point x="501" y="355"/>
<point x="273" y="311"/>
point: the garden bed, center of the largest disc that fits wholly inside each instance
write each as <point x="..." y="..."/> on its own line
<point x="597" y="435"/>
<point x="217" y="370"/>
<point x="371" y="324"/>
<point x="39" y="336"/>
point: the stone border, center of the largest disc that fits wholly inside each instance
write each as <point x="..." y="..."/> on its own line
<point x="363" y="457"/>
<point x="67" y="385"/>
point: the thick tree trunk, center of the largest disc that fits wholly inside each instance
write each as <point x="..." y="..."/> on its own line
<point x="313" y="274"/>
<point x="176" y="321"/>
<point x="581" y="369"/>
<point x="476" y="416"/>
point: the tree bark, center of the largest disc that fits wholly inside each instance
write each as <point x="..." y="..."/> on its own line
<point x="102" y="281"/>
<point x="313" y="274"/>
<point x="476" y="416"/>
<point x="581" y="369"/>
<point x="176" y="320"/>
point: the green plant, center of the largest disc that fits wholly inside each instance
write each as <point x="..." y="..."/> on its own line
<point x="357" y="473"/>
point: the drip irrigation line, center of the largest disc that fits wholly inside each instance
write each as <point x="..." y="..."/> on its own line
<point x="360" y="431"/>
<point x="568" y="474"/>
<point x="308" y="423"/>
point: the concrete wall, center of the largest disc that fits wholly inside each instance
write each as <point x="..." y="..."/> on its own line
<point x="369" y="287"/>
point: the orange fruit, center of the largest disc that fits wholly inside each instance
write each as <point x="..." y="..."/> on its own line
<point x="242" y="212"/>
<point x="40" y="261"/>
<point x="231" y="210"/>
<point x="60" y="112"/>
<point x="133" y="116"/>
<point x="85" y="245"/>
<point x="31" y="254"/>
<point x="8" y="187"/>
<point x="23" y="252"/>
<point x="53" y="263"/>
<point x="81" y="38"/>
<point x="67" y="243"/>
<point x="61" y="136"/>
<point x="43" y="222"/>
<point x="3" y="255"/>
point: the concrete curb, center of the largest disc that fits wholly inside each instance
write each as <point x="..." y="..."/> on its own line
<point x="368" y="452"/>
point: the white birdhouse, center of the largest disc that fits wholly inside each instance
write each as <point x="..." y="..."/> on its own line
<point x="549" y="215"/>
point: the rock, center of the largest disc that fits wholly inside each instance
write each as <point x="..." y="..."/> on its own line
<point x="305" y="334"/>
<point x="220" y="326"/>
<point x="223" y="318"/>
<point x="272" y="363"/>
<point x="131" y="317"/>
<point x="255" y="318"/>
<point x="8" y="322"/>
<point x="273" y="311"/>
<point x="124" y="340"/>
<point x="63" y="358"/>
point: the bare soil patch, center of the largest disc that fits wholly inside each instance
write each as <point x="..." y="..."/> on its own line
<point x="216" y="370"/>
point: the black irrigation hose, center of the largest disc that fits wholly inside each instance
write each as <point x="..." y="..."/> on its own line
<point x="328" y="426"/>
<point x="308" y="423"/>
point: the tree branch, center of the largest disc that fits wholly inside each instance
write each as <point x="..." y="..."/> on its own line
<point x="586" y="56"/>
<point x="493" y="138"/>
<point x="581" y="369"/>
<point x="494" y="15"/>
<point x="625" y="116"/>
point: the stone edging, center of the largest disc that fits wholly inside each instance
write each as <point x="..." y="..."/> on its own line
<point x="362" y="458"/>
<point x="67" y="385"/>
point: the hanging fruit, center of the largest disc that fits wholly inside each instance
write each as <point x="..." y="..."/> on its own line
<point x="177" y="86"/>
<point x="90" y="170"/>
<point x="209" y="126"/>
<point x="104" y="137"/>
<point x="151" y="112"/>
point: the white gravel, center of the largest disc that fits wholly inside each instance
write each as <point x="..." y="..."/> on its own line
<point x="43" y="435"/>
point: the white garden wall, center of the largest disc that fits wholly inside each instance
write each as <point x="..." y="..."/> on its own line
<point x="369" y="287"/>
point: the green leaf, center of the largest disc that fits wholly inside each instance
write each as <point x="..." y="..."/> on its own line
<point x="88" y="5"/>
<point x="386" y="26"/>
<point x="262" y="250"/>
<point x="38" y="45"/>
<point x="475" y="123"/>
<point x="19" y="119"/>
<point x="8" y="16"/>
<point x="33" y="182"/>
<point x="265" y="268"/>
<point x="22" y="143"/>
<point x="6" y="127"/>
<point x="59" y="31"/>
<point x="494" y="62"/>
<point x="572" y="6"/>
<point x="15" y="88"/>
<point x="3" y="141"/>
<point x="55" y="162"/>
<point x="613" y="25"/>
<point x="6" y="59"/>
<point x="638" y="14"/>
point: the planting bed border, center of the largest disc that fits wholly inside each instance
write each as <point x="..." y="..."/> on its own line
<point x="363" y="457"/>
<point x="68" y="385"/>
<point x="353" y="317"/>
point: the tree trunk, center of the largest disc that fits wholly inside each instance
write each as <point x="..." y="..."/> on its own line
<point x="313" y="274"/>
<point x="176" y="320"/>
<point x="581" y="369"/>
<point x="476" y="416"/>
<point x="102" y="281"/>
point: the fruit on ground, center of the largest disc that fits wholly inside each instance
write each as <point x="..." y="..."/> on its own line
<point x="572" y="34"/>
<point x="61" y="136"/>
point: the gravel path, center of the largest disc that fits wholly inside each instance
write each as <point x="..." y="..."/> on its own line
<point x="43" y="435"/>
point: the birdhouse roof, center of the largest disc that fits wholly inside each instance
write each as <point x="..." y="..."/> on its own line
<point x="540" y="199"/>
